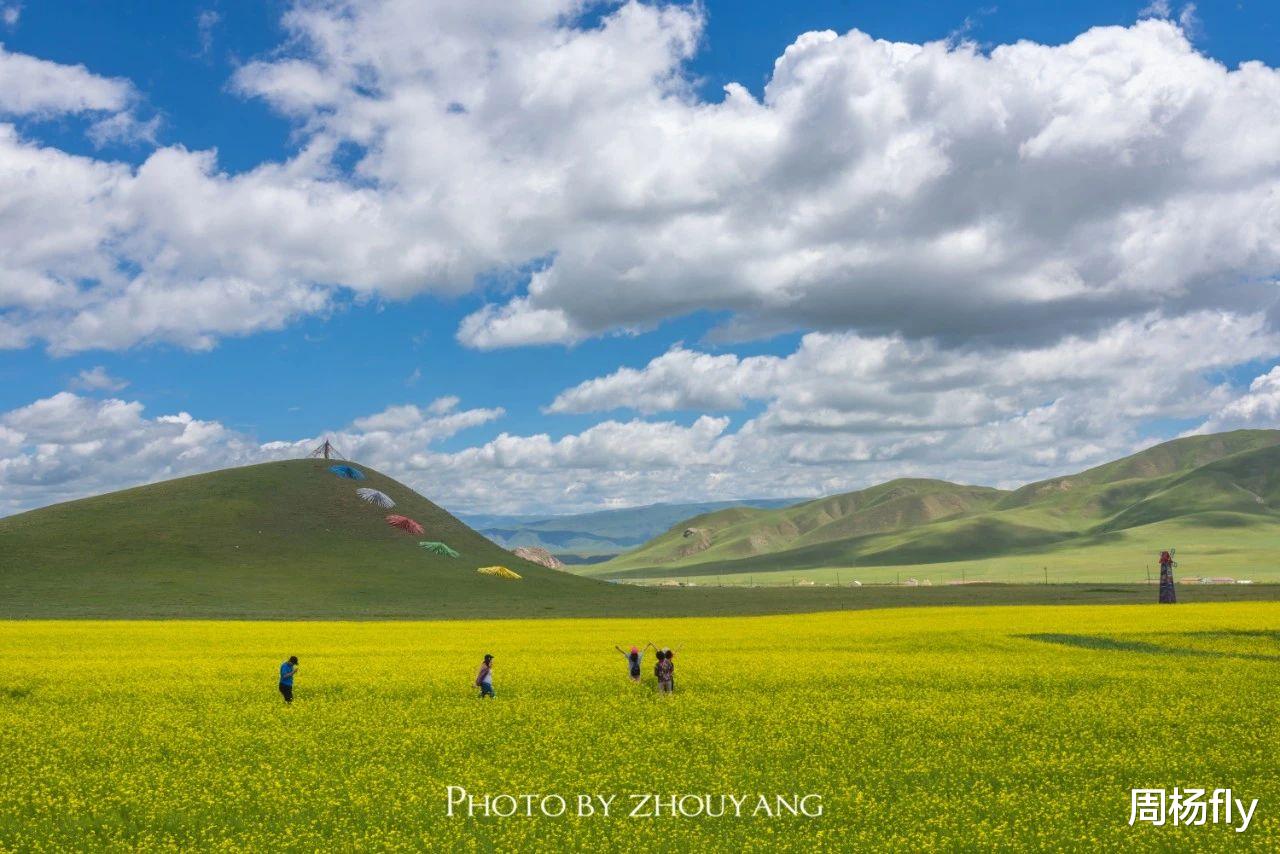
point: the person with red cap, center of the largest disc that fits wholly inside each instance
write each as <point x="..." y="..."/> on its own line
<point x="634" y="658"/>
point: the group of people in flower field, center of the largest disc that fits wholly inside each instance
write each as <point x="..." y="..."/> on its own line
<point x="664" y="670"/>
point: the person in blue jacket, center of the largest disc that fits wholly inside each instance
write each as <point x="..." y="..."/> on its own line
<point x="287" y="671"/>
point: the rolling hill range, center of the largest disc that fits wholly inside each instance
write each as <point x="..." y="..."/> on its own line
<point x="289" y="540"/>
<point x="1216" y="497"/>
<point x="591" y="537"/>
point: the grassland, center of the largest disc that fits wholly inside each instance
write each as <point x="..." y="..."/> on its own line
<point x="1013" y="728"/>
<point x="278" y="540"/>
<point x="290" y="541"/>
<point x="1215" y="498"/>
<point x="1247" y="550"/>
<point x="271" y="539"/>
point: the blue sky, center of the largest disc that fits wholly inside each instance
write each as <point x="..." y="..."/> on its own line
<point x="372" y="347"/>
<point x="325" y="371"/>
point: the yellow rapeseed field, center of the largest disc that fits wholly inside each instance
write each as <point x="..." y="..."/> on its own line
<point x="920" y="729"/>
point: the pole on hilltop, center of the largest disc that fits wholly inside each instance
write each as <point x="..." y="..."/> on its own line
<point x="327" y="451"/>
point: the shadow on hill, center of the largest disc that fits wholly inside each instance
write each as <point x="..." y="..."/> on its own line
<point x="964" y="539"/>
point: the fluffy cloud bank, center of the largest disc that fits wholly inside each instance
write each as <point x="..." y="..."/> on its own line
<point x="69" y="445"/>
<point x="840" y="413"/>
<point x="936" y="192"/>
<point x="845" y="409"/>
<point x="1258" y="407"/>
<point x="843" y="381"/>
<point x="928" y="191"/>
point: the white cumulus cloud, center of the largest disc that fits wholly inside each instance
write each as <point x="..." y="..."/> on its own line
<point x="1257" y="407"/>
<point x="929" y="191"/>
<point x="97" y="379"/>
<point x="32" y="86"/>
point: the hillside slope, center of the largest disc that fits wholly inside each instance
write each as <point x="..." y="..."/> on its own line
<point x="741" y="533"/>
<point x="1218" y="488"/>
<point x="595" y="536"/>
<point x="1246" y="483"/>
<point x="280" y="539"/>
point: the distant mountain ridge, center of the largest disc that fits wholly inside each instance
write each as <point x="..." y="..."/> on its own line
<point x="601" y="534"/>
<point x="1217" y="482"/>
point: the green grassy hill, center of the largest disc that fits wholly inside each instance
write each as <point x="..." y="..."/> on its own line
<point x="1220" y="493"/>
<point x="741" y="532"/>
<point x="278" y="539"/>
<point x="1168" y="458"/>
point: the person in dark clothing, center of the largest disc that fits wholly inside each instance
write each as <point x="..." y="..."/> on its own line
<point x="484" y="678"/>
<point x="665" y="671"/>
<point x="287" y="671"/>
